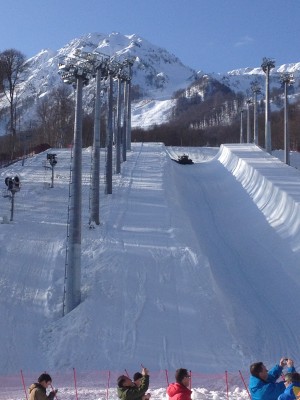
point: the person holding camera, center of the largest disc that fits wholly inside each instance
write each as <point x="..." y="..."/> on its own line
<point x="38" y="391"/>
<point x="128" y="390"/>
<point x="263" y="385"/>
<point x="292" y="386"/>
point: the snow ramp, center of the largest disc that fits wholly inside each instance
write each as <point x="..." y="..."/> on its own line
<point x="273" y="186"/>
<point x="250" y="272"/>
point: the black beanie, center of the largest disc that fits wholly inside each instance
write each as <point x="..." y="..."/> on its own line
<point x="137" y="376"/>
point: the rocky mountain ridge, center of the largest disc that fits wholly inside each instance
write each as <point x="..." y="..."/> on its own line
<point x="157" y="75"/>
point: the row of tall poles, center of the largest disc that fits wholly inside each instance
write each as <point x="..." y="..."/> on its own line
<point x="286" y="79"/>
<point x="78" y="70"/>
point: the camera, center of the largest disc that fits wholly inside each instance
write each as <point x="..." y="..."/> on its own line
<point x="285" y="361"/>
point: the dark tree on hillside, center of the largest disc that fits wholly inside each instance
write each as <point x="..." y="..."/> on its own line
<point x="12" y="65"/>
<point x="56" y="117"/>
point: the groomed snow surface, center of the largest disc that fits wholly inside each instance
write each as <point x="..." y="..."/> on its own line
<point x="193" y="266"/>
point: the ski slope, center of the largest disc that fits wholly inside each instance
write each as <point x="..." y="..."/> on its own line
<point x="190" y="266"/>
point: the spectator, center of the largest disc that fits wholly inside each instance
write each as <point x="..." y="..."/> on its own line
<point x="180" y="390"/>
<point x="127" y="390"/>
<point x="263" y="385"/>
<point x="38" y="391"/>
<point x="137" y="379"/>
<point x="292" y="384"/>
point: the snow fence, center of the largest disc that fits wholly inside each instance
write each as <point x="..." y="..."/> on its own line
<point x="273" y="186"/>
<point x="102" y="385"/>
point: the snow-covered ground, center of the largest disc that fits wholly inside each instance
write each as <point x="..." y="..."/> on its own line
<point x="192" y="266"/>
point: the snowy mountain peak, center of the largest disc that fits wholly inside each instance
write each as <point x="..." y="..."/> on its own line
<point x="156" y="76"/>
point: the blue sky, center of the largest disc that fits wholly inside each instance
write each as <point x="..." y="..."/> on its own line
<point x="208" y="35"/>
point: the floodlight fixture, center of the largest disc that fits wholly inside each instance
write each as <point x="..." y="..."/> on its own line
<point x="287" y="78"/>
<point x="267" y="64"/>
<point x="72" y="69"/>
<point x="122" y="75"/>
<point x="113" y="68"/>
<point x="255" y="87"/>
<point x="129" y="61"/>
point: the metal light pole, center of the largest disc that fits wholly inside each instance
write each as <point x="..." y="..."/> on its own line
<point x="255" y="90"/>
<point x="95" y="183"/>
<point x="118" y="136"/>
<point x="241" y="128"/>
<point x="287" y="79"/>
<point x="76" y="72"/>
<point x="248" y="102"/>
<point x="125" y="121"/>
<point x="73" y="283"/>
<point x="109" y="157"/>
<point x="267" y="65"/>
<point x="128" y="139"/>
<point x="99" y="62"/>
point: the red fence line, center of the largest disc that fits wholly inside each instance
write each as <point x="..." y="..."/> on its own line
<point x="246" y="387"/>
<point x="24" y="386"/>
<point x="227" y="387"/>
<point x="104" y="382"/>
<point x="75" y="383"/>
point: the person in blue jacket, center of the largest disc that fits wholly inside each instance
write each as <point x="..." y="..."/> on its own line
<point x="263" y="385"/>
<point x="292" y="384"/>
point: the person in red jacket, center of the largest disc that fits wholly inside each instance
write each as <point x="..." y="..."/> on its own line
<point x="180" y="389"/>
